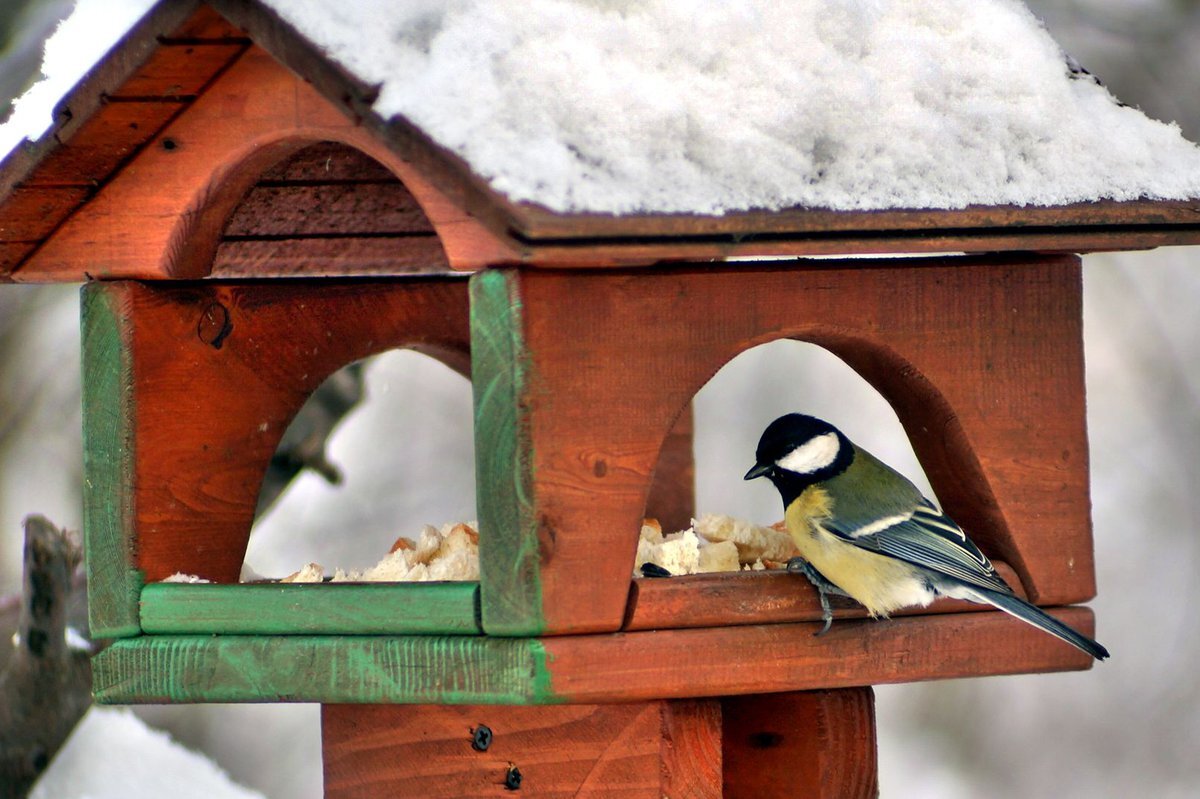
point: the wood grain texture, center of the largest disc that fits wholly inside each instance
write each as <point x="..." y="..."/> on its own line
<point x="818" y="744"/>
<point x="980" y="357"/>
<point x="179" y="70"/>
<point x="750" y="597"/>
<point x="12" y="254"/>
<point x="103" y="143"/>
<point x="163" y="216"/>
<point x="580" y="669"/>
<point x="89" y="95"/>
<point x="334" y="668"/>
<point x="218" y="371"/>
<point x="112" y="113"/>
<point x="672" y="498"/>
<point x="310" y="609"/>
<point x="364" y="256"/>
<point x="644" y="750"/>
<point x="768" y="658"/>
<point x="31" y="214"/>
<point x="328" y="162"/>
<point x="509" y="567"/>
<point x="109" y="410"/>
<point x="326" y="209"/>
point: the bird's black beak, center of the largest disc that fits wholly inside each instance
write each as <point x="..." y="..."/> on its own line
<point x="758" y="470"/>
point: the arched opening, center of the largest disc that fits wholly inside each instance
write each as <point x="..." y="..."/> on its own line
<point x="765" y="382"/>
<point x="726" y="418"/>
<point x="400" y="459"/>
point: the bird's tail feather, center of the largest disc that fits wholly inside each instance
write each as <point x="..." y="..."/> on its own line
<point x="1034" y="615"/>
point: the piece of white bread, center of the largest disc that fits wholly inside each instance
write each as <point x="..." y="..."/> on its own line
<point x="752" y="541"/>
<point x="311" y="573"/>
<point x="451" y="553"/>
<point x="683" y="552"/>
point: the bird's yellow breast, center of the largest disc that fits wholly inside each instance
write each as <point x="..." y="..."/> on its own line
<point x="878" y="582"/>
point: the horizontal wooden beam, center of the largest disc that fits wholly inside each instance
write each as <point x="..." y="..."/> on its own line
<point x="311" y="609"/>
<point x="755" y="597"/>
<point x="618" y="667"/>
<point x="536" y="223"/>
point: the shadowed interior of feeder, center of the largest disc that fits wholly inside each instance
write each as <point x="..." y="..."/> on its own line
<point x="322" y="208"/>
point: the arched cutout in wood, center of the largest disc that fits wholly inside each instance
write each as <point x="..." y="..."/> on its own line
<point x="399" y="457"/>
<point x="218" y="370"/>
<point x="928" y="420"/>
<point x="980" y="357"/>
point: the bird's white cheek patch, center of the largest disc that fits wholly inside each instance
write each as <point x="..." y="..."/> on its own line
<point x="812" y="455"/>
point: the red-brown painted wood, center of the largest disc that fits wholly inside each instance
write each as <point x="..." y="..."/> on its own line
<point x="165" y="218"/>
<point x="814" y="744"/>
<point x="672" y="497"/>
<point x="723" y="661"/>
<point x="981" y="359"/>
<point x="750" y="597"/>
<point x="642" y="750"/>
<point x="217" y="373"/>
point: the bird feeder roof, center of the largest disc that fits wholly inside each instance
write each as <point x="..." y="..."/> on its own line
<point x="574" y="134"/>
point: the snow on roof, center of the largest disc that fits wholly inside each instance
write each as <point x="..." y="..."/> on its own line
<point x="674" y="106"/>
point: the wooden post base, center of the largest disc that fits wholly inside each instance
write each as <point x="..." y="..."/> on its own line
<point x="811" y="744"/>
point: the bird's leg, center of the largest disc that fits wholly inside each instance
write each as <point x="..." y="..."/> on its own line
<point x="823" y="586"/>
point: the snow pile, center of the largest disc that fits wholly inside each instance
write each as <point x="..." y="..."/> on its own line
<point x="666" y="105"/>
<point x="112" y="754"/>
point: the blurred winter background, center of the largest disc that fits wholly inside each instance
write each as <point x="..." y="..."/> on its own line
<point x="1128" y="727"/>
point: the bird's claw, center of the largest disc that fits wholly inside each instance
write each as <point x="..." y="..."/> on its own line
<point x="823" y="586"/>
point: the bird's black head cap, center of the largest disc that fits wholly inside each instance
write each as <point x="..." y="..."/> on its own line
<point x="796" y="451"/>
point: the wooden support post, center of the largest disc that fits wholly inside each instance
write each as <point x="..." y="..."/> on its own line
<point x="639" y="750"/>
<point x="811" y="744"/>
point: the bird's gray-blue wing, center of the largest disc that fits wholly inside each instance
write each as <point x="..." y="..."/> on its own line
<point x="925" y="537"/>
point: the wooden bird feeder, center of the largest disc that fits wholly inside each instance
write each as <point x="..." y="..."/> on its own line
<point x="216" y="151"/>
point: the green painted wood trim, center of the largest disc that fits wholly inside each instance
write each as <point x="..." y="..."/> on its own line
<point x="308" y="609"/>
<point x="511" y="590"/>
<point x="114" y="582"/>
<point x="370" y="669"/>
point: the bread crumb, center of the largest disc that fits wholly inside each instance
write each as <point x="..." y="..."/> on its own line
<point x="311" y="573"/>
<point x="753" y="542"/>
<point x="180" y="577"/>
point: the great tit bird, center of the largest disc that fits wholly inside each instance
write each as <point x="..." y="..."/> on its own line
<point x="865" y="531"/>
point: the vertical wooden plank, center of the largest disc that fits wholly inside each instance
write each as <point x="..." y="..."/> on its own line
<point x="814" y="744"/>
<point x="114" y="582"/>
<point x="509" y="549"/>
<point x="641" y="750"/>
